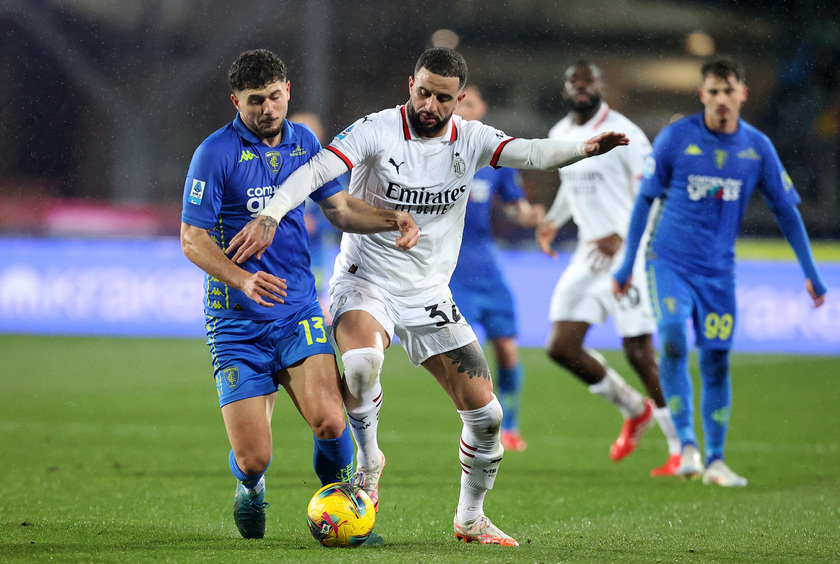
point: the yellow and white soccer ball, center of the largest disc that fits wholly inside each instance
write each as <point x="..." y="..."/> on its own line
<point x="341" y="515"/>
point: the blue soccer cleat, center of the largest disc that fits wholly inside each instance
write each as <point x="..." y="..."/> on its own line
<point x="249" y="510"/>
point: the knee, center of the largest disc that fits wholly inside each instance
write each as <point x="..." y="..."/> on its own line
<point x="330" y="426"/>
<point x="361" y="369"/>
<point x="560" y="352"/>
<point x="674" y="341"/>
<point x="253" y="463"/>
<point x="714" y="365"/>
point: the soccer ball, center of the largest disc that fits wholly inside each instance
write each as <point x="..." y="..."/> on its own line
<point x="340" y="515"/>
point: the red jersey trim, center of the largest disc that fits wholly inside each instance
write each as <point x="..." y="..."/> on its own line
<point x="498" y="152"/>
<point x="340" y="155"/>
<point x="600" y="119"/>
<point x="406" y="129"/>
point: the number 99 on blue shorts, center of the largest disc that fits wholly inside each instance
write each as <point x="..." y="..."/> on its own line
<point x="247" y="353"/>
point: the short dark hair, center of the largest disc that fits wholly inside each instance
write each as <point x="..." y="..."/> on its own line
<point x="584" y="62"/>
<point x="443" y="61"/>
<point x="255" y="69"/>
<point x="723" y="68"/>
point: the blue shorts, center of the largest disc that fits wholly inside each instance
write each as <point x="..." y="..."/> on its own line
<point x="492" y="309"/>
<point x="709" y="301"/>
<point x="247" y="354"/>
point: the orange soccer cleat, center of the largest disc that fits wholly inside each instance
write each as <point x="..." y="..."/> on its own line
<point x="667" y="469"/>
<point x="631" y="432"/>
<point x="513" y="441"/>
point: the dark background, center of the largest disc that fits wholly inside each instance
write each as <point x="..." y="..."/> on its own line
<point x="105" y="101"/>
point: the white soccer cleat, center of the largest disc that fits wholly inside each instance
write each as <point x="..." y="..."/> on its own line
<point x="367" y="478"/>
<point x="690" y="464"/>
<point x="482" y="531"/>
<point x="719" y="474"/>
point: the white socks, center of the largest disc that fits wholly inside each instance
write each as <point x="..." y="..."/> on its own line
<point x="615" y="390"/>
<point x="363" y="400"/>
<point x="480" y="452"/>
<point x="663" y="419"/>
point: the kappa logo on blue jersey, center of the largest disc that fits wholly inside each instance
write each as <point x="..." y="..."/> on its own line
<point x="274" y="160"/>
<point x="247" y="156"/>
<point x="196" y="192"/>
<point x="346" y="132"/>
<point x="787" y="181"/>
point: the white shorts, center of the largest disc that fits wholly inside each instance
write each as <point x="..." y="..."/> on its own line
<point x="424" y="328"/>
<point x="581" y="295"/>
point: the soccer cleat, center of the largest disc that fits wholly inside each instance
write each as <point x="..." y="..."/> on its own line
<point x="482" y="531"/>
<point x="667" y="469"/>
<point x="631" y="432"/>
<point x="368" y="480"/>
<point x="690" y="465"/>
<point x="513" y="441"/>
<point x="719" y="474"/>
<point x="249" y="510"/>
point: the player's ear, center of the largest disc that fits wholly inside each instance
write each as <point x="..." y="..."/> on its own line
<point x="235" y="101"/>
<point x="745" y="95"/>
<point x="410" y="83"/>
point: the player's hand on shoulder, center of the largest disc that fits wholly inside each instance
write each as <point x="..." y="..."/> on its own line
<point x="818" y="299"/>
<point x="409" y="232"/>
<point x="604" y="142"/>
<point x="264" y="288"/>
<point x="545" y="234"/>
<point x="254" y="239"/>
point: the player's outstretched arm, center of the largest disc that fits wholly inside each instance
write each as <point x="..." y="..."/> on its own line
<point x="265" y="289"/>
<point x="253" y="239"/>
<point x="603" y="143"/>
<point x="550" y="154"/>
<point x="352" y="215"/>
<point x="258" y="234"/>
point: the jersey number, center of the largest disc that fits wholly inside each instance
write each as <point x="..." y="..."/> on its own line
<point x="317" y="325"/>
<point x="444" y="319"/>
<point x="718" y="326"/>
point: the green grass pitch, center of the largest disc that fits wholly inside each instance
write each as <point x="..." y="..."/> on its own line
<point x="113" y="450"/>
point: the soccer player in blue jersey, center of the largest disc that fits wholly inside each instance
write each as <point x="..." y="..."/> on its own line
<point x="703" y="169"/>
<point x="477" y="283"/>
<point x="265" y="328"/>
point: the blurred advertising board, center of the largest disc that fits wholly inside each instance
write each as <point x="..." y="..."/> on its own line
<point x="147" y="288"/>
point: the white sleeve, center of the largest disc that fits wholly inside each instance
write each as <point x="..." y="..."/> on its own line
<point x="560" y="211"/>
<point x="317" y="171"/>
<point x="540" y="154"/>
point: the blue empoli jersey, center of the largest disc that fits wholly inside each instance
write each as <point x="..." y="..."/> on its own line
<point x="231" y="177"/>
<point x="705" y="180"/>
<point x="476" y="261"/>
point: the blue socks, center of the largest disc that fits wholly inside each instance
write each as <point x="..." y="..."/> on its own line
<point x="510" y="381"/>
<point x="333" y="458"/>
<point x="247" y="480"/>
<point x="715" y="401"/>
<point x="676" y="380"/>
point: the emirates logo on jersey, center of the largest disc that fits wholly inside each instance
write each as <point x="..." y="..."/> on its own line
<point x="459" y="167"/>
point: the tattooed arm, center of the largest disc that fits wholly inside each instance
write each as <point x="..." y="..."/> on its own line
<point x="260" y="286"/>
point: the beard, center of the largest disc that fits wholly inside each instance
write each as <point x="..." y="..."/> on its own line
<point x="584" y="106"/>
<point x="269" y="133"/>
<point x="429" y="129"/>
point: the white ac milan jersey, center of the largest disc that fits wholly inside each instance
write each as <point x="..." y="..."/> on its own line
<point x="393" y="168"/>
<point x="601" y="191"/>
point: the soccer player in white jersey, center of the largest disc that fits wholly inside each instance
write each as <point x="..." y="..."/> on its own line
<point x="599" y="196"/>
<point x="417" y="157"/>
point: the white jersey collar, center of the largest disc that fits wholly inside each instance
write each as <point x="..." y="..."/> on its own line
<point x="409" y="134"/>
